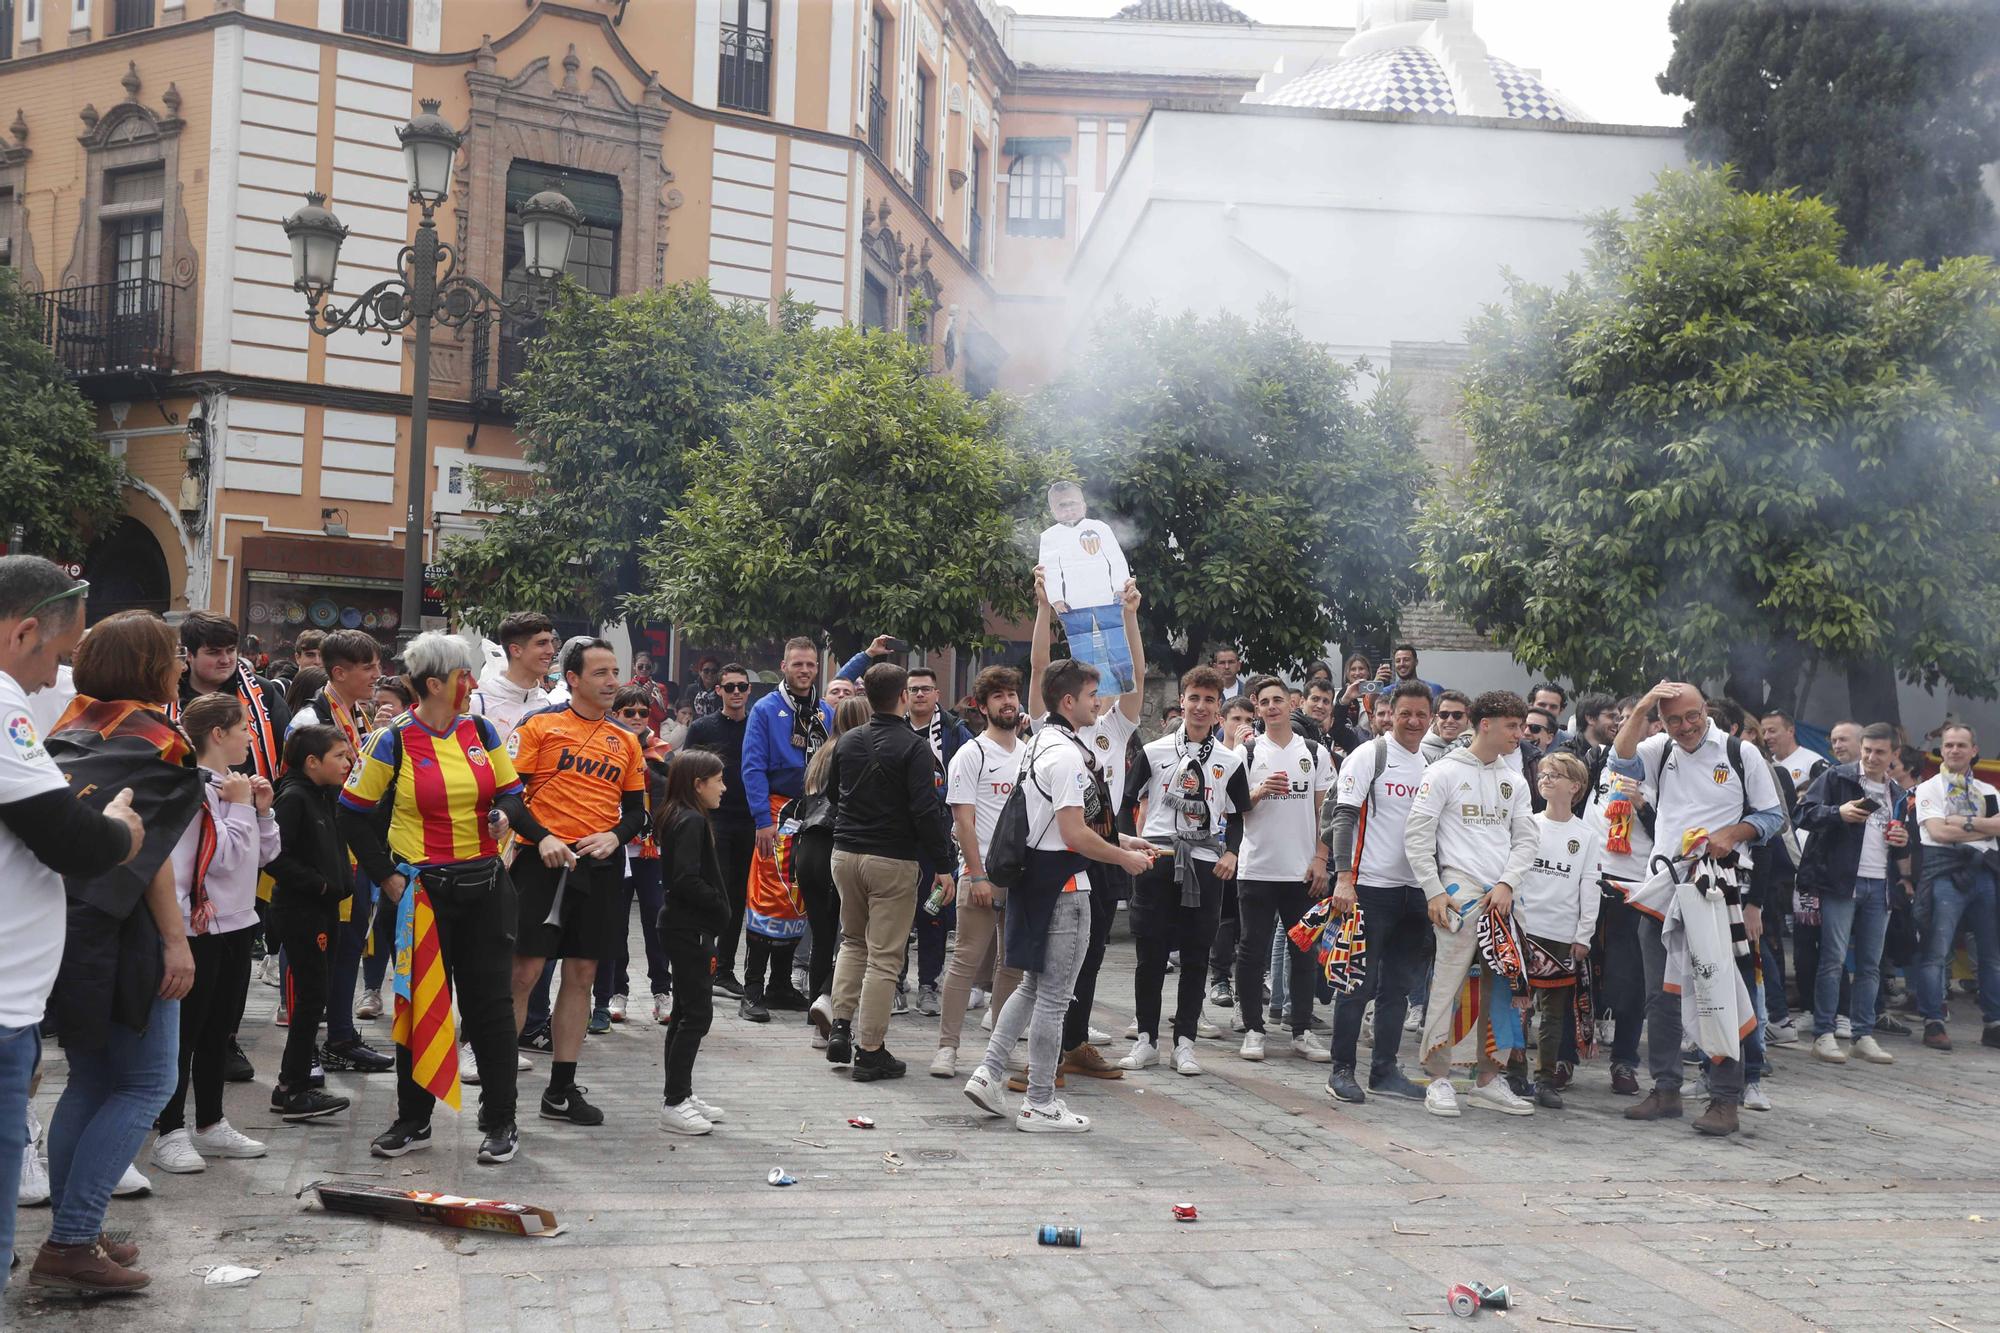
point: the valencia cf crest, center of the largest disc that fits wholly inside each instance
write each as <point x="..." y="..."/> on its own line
<point x="1217" y="770"/>
<point x="1091" y="543"/>
<point x="476" y="756"/>
<point x="1574" y="846"/>
<point x="1103" y="742"/>
<point x="1721" y="775"/>
<point x="1306" y="766"/>
<point x="1506" y="791"/>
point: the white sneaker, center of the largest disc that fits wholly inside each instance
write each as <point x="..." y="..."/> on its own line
<point x="1017" y="1059"/>
<point x="1754" y="1098"/>
<point x="976" y="999"/>
<point x="1871" y="1050"/>
<point x="1782" y="1034"/>
<point x="1306" y="1048"/>
<point x="269" y="972"/>
<point x="801" y="980"/>
<point x="1440" y="1098"/>
<point x="987" y="1020"/>
<point x="820" y="1041"/>
<point x="1828" y="1049"/>
<point x="1497" y="1096"/>
<point x="1144" y="1055"/>
<point x="370" y="1006"/>
<point x="1132" y="1030"/>
<point x="617" y="1008"/>
<point x="1843" y="1027"/>
<point x="132" y="1184"/>
<point x="663" y="1008"/>
<point x="34" y="1171"/>
<point x="1253" y="1046"/>
<point x="223" y="1139"/>
<point x="468" y="1066"/>
<point x="522" y="1064"/>
<point x="1098" y="1037"/>
<point x="712" y="1114"/>
<point x="280" y="1016"/>
<point x="985" y="1093"/>
<point x="1413" y="1021"/>
<point x="1184" y="1061"/>
<point x="175" y="1152"/>
<point x="683" y="1118"/>
<point x="1055" y="1118"/>
<point x="945" y="1063"/>
<point x="1204" y="1028"/>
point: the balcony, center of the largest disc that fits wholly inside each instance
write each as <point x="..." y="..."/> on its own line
<point x="131" y="16"/>
<point x="878" y="119"/>
<point x="920" y="175"/>
<point x="745" y="82"/>
<point x="111" y="328"/>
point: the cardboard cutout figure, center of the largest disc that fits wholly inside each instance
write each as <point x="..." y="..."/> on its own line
<point x="1085" y="568"/>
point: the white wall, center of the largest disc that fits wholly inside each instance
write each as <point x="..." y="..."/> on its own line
<point x="1126" y="46"/>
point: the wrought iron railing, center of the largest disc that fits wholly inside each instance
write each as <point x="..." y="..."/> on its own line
<point x="878" y="121"/>
<point x="131" y="16"/>
<point x="975" y="239"/>
<point x="110" y="328"/>
<point x="920" y="175"/>
<point x="386" y="20"/>
<point x="745" y="82"/>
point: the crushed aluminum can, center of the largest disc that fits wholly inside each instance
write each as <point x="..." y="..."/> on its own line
<point x="860" y="1122"/>
<point x="778" y="1177"/>
<point x="1184" y="1212"/>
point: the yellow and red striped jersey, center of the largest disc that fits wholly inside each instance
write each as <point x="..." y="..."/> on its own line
<point x="447" y="785"/>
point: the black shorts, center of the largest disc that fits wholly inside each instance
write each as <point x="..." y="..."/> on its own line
<point x="593" y="913"/>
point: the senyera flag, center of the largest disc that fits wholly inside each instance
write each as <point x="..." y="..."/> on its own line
<point x="423" y="1000"/>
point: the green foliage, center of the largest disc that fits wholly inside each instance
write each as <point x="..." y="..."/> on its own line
<point x="860" y="494"/>
<point x="615" y="399"/>
<point x="62" y="486"/>
<point x="1257" y="501"/>
<point x="1884" y="107"/>
<point x="1723" y="452"/>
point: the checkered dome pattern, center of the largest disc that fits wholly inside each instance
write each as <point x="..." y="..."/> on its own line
<point x="1524" y="94"/>
<point x="1402" y="78"/>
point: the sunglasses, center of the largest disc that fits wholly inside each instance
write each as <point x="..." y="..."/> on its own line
<point x="1456" y="716"/>
<point x="79" y="590"/>
<point x="632" y="712"/>
<point x="1534" y="728"/>
<point x="734" y="686"/>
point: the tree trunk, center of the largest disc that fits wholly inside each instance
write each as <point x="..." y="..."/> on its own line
<point x="1871" y="693"/>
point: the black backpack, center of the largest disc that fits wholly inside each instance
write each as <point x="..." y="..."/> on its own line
<point x="1007" y="855"/>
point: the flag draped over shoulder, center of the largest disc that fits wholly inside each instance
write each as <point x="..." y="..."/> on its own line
<point x="423" y="1001"/>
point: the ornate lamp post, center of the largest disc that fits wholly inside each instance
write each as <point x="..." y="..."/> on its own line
<point x="430" y="289"/>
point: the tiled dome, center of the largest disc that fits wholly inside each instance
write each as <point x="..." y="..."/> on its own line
<point x="1409" y="78"/>
<point x="1182" y="11"/>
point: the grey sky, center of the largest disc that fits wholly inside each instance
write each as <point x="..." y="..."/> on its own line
<point x="1603" y="55"/>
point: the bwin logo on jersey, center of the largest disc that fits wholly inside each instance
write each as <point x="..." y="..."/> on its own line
<point x="593" y="768"/>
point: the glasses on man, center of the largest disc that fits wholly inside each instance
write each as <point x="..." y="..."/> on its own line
<point x="1536" y="729"/>
<point x="81" y="589"/>
<point x="734" y="686"/>
<point x="923" y="689"/>
<point x="1455" y="715"/>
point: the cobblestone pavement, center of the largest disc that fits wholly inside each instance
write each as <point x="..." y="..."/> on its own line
<point x="1870" y="1199"/>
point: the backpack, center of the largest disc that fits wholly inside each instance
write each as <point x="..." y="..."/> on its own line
<point x="1007" y="854"/>
<point x="1787" y="836"/>
<point x="1326" y="811"/>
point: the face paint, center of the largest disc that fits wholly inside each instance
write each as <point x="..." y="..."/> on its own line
<point x="459" y="682"/>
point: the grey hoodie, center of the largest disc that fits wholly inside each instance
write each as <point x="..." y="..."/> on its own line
<point x="1475" y="820"/>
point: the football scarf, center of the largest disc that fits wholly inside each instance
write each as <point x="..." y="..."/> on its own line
<point x="1549" y="962"/>
<point x="1340" y="943"/>
<point x="201" y="910"/>
<point x="1583" y="1003"/>
<point x="808" y="725"/>
<point x="1187" y="796"/>
<point x="1500" y="950"/>
<point x="1097" y="800"/>
<point x="103" y="746"/>
<point x="776" y="908"/>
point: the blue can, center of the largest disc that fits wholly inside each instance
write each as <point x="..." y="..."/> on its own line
<point x="1067" y="1237"/>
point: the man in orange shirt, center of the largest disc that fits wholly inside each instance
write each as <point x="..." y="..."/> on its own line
<point x="586" y="798"/>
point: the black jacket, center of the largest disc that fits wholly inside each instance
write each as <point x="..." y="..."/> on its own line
<point x="721" y="735"/>
<point x="694" y="904"/>
<point x="1833" y="853"/>
<point x="883" y="784"/>
<point x="309" y="874"/>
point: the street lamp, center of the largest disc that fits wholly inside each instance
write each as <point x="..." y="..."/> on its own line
<point x="430" y="289"/>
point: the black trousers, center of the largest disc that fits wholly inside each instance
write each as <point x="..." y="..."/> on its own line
<point x="476" y="944"/>
<point x="735" y="846"/>
<point x="1222" y="953"/>
<point x="1262" y="904"/>
<point x="822" y="896"/>
<point x="307" y="945"/>
<point x="1397" y="928"/>
<point x="1622" y="988"/>
<point x="1083" y="995"/>
<point x="209" y="1015"/>
<point x="694" y="1009"/>
<point x="1160" y="925"/>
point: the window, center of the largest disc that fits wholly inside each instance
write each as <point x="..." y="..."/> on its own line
<point x="746" y="56"/>
<point x="878" y="101"/>
<point x="134" y="202"/>
<point x="7" y="227"/>
<point x="874" y="303"/>
<point x="7" y="29"/>
<point x="593" y="251"/>
<point x="1035" y="196"/>
<point x="385" y="20"/>
<point x="920" y="158"/>
<point x="131" y="16"/>
<point x="975" y="231"/>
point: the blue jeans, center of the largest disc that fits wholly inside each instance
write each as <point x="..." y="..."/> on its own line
<point x="106" y="1111"/>
<point x="1979" y="912"/>
<point x="1862" y="921"/>
<point x="375" y="966"/>
<point x="343" y="961"/>
<point x="19" y="1049"/>
<point x="1096" y="635"/>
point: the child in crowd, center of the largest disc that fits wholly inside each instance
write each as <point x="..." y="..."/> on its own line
<point x="696" y="911"/>
<point x="1557" y="910"/>
<point x="310" y="878"/>
<point x="215" y="878"/>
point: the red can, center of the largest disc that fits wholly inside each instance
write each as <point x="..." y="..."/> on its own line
<point x="1184" y="1212"/>
<point x="860" y="1122"/>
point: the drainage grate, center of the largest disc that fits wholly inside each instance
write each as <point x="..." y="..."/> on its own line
<point x="940" y="1154"/>
<point x="952" y="1122"/>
